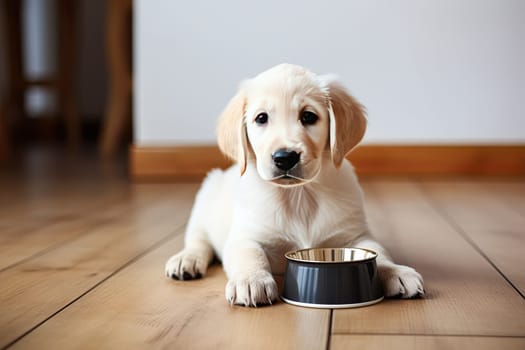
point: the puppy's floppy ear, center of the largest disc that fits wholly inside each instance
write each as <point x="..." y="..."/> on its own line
<point x="347" y="121"/>
<point x="231" y="130"/>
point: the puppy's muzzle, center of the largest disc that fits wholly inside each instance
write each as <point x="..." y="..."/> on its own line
<point x="285" y="160"/>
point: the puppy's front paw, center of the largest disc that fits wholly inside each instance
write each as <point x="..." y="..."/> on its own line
<point x="252" y="289"/>
<point x="401" y="281"/>
<point x="186" y="266"/>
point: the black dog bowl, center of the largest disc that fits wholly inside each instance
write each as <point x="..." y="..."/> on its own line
<point x="332" y="278"/>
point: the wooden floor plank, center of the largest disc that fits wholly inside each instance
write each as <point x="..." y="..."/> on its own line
<point x="465" y="294"/>
<point x="18" y="243"/>
<point x="511" y="192"/>
<point x="35" y="289"/>
<point x="91" y="248"/>
<point x="489" y="213"/>
<point x="415" y="342"/>
<point x="138" y="308"/>
<point x="43" y="191"/>
<point x="22" y="237"/>
<point x="44" y="182"/>
<point x="57" y="199"/>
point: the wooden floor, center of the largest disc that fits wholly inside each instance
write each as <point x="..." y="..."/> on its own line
<point x="82" y="253"/>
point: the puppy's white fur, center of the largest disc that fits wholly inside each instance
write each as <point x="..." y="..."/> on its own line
<point x="252" y="213"/>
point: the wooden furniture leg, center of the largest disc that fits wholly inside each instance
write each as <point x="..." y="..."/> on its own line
<point x="4" y="137"/>
<point x="4" y="134"/>
<point x="66" y="83"/>
<point x="118" y="110"/>
<point x="15" y="76"/>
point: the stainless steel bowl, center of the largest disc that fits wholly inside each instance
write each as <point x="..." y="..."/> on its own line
<point x="332" y="278"/>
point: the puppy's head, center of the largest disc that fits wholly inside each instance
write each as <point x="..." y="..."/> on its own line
<point x="287" y="120"/>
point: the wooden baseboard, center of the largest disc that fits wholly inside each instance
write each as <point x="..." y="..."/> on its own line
<point x="193" y="162"/>
<point x="181" y="162"/>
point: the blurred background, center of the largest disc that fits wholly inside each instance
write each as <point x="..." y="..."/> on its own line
<point x="60" y="62"/>
<point x="429" y="72"/>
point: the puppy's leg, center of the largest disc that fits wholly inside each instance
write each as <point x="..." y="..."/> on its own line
<point x="192" y="262"/>
<point x="398" y="280"/>
<point x="250" y="280"/>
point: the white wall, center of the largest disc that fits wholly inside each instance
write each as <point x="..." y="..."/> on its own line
<point x="450" y="71"/>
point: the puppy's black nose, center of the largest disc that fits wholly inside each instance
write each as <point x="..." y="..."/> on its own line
<point x="285" y="160"/>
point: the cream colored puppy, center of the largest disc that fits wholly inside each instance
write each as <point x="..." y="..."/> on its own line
<point x="289" y="131"/>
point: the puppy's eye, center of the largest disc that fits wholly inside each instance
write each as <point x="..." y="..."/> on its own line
<point x="262" y="118"/>
<point x="308" y="118"/>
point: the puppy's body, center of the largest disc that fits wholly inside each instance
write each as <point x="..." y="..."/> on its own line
<point x="250" y="221"/>
<point x="326" y="212"/>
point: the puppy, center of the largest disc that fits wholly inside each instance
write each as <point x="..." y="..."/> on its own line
<point x="289" y="131"/>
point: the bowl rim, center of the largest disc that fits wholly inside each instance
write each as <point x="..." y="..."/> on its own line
<point x="332" y="306"/>
<point x="289" y="258"/>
